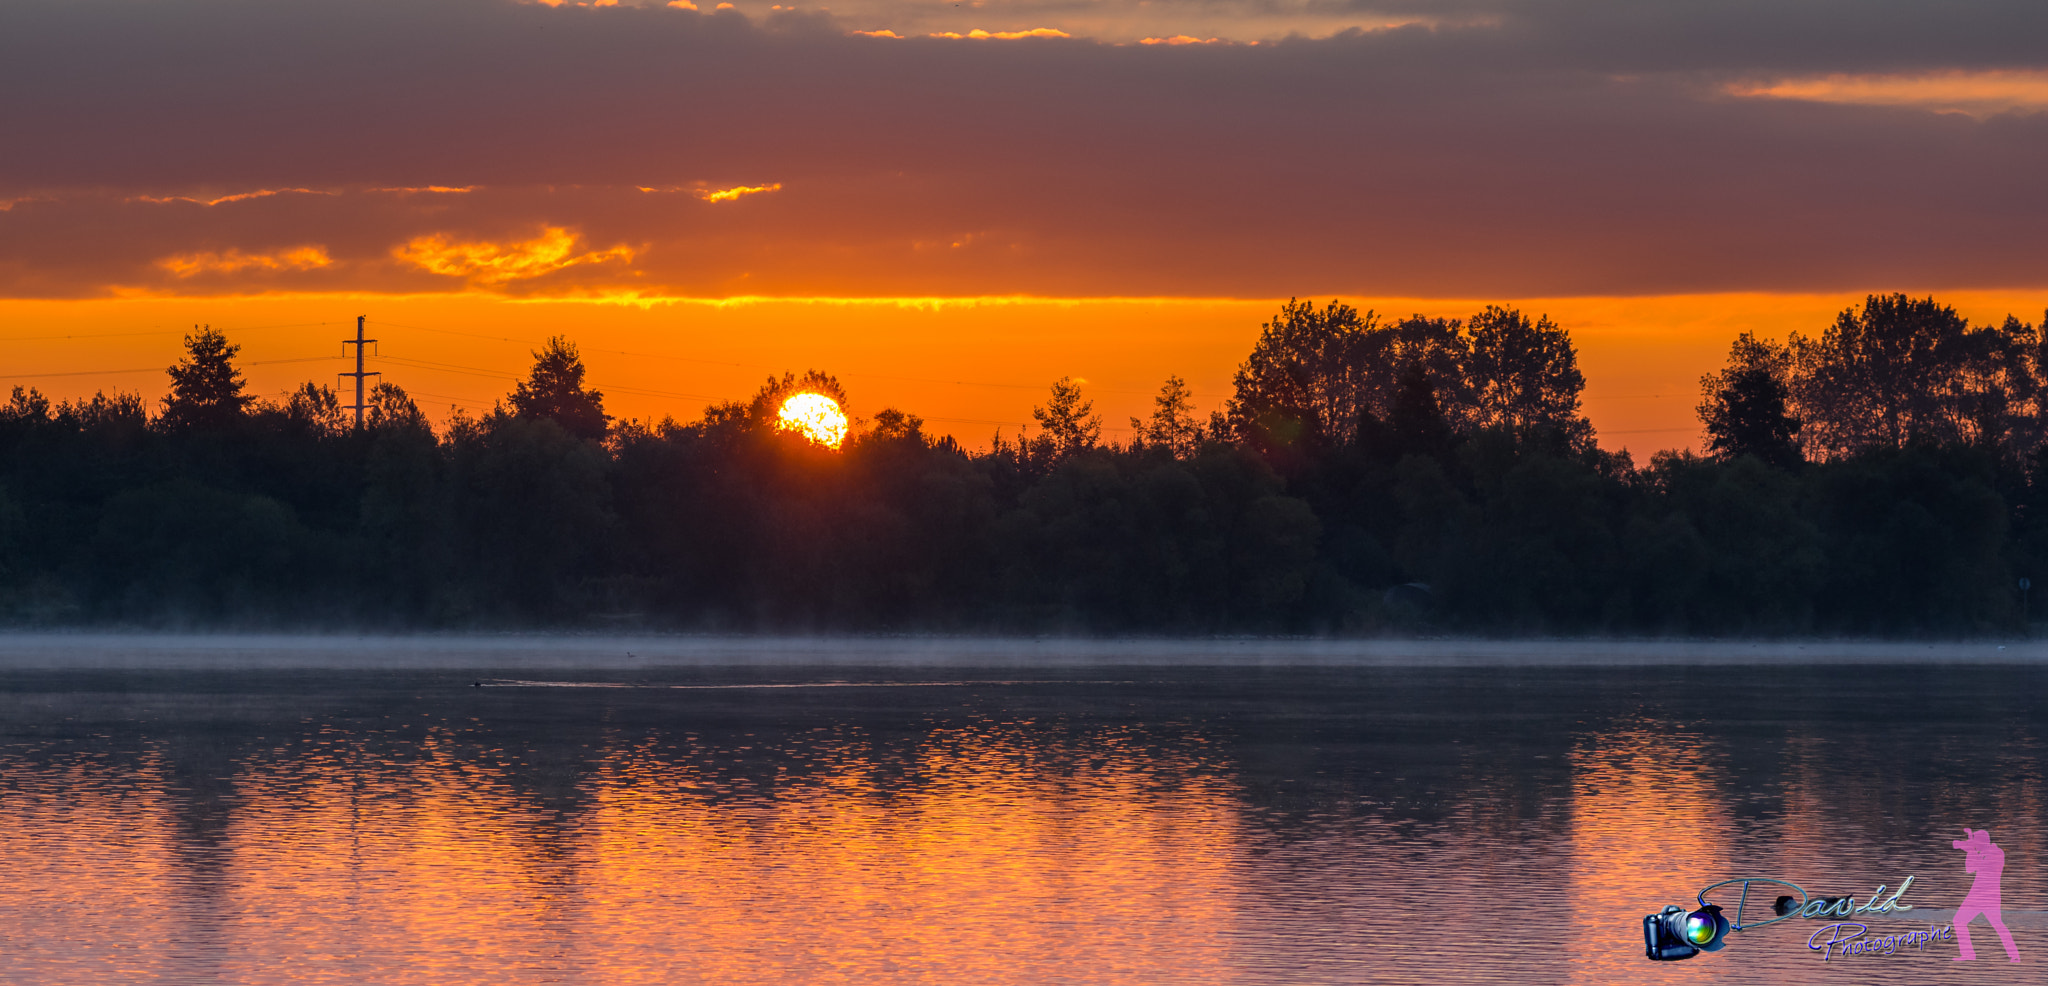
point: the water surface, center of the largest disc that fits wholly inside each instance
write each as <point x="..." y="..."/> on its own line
<point x="1100" y="824"/>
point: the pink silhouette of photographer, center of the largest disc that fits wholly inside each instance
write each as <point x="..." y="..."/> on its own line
<point x="1988" y="862"/>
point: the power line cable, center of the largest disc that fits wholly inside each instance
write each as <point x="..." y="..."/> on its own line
<point x="759" y="366"/>
<point x="159" y="332"/>
<point x="448" y="367"/>
<point x="160" y="369"/>
<point x="461" y="401"/>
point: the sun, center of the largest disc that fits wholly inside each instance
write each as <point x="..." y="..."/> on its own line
<point x="816" y="415"/>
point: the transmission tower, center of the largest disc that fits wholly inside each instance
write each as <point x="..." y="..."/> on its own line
<point x="358" y="342"/>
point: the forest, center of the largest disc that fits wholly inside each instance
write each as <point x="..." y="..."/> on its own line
<point x="1367" y="476"/>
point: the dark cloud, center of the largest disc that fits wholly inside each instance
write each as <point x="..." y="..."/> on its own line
<point x="1539" y="148"/>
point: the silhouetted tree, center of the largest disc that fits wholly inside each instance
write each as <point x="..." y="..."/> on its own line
<point x="1067" y="424"/>
<point x="555" y="391"/>
<point x="26" y="404"/>
<point x="390" y="408"/>
<point x="1416" y="424"/>
<point x="1422" y="350"/>
<point x="123" y="411"/>
<point x="767" y="402"/>
<point x="1524" y="374"/>
<point x="1873" y="378"/>
<point x="1902" y="369"/>
<point x="892" y="425"/>
<point x="206" y="389"/>
<point x="1744" y="406"/>
<point x="315" y="408"/>
<point x="1446" y="469"/>
<point x="1173" y="426"/>
<point x="2000" y="401"/>
<point x="534" y="508"/>
<point x="1303" y="379"/>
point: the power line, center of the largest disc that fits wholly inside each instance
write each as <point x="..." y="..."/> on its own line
<point x="450" y="368"/>
<point x="83" y="373"/>
<point x="642" y="392"/>
<point x="452" y="332"/>
<point x="299" y="359"/>
<point x="761" y="366"/>
<point x="160" y="369"/>
<point x="461" y="401"/>
<point x="160" y="332"/>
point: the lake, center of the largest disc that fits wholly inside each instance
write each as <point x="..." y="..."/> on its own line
<point x="1027" y="822"/>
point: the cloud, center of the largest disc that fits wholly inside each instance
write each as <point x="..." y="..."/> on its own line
<point x="980" y="35"/>
<point x="1180" y="39"/>
<point x="261" y="193"/>
<point x="1971" y="93"/>
<point x="233" y="261"/>
<point x="1539" y="147"/>
<point x="488" y="263"/>
<point x="735" y="193"/>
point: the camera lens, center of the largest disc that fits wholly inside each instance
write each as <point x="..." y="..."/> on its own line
<point x="1699" y="928"/>
<point x="1705" y="928"/>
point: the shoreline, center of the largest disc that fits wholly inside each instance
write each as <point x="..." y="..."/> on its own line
<point x="59" y="651"/>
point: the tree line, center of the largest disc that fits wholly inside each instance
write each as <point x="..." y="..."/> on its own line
<point x="1366" y="475"/>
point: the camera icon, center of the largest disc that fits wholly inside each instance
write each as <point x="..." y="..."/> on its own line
<point x="1676" y="933"/>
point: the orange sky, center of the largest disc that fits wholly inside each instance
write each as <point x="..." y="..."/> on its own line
<point x="967" y="365"/>
<point x="1656" y="182"/>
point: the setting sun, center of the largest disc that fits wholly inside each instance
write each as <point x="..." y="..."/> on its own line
<point x="816" y="415"/>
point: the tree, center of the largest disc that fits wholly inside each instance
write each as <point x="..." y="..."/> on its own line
<point x="2002" y="398"/>
<point x="1870" y="380"/>
<point x="1905" y="368"/>
<point x="120" y="414"/>
<point x="27" y="404"/>
<point x="1524" y="374"/>
<point x="315" y="408"/>
<point x="206" y="389"/>
<point x="1744" y="406"/>
<point x="1068" y="423"/>
<point x="1421" y="351"/>
<point x="1302" y="379"/>
<point x="1316" y="376"/>
<point x="892" y="425"/>
<point x="767" y="402"/>
<point x="555" y="391"/>
<point x="390" y="407"/>
<point x="1416" y="423"/>
<point x="1173" y="425"/>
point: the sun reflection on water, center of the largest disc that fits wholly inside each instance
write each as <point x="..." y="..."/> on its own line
<point x="984" y="856"/>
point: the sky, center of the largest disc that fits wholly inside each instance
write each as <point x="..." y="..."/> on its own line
<point x="950" y="205"/>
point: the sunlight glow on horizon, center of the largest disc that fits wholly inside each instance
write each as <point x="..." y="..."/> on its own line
<point x="969" y="366"/>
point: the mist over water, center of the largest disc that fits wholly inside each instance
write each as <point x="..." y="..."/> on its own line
<point x="1287" y="815"/>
